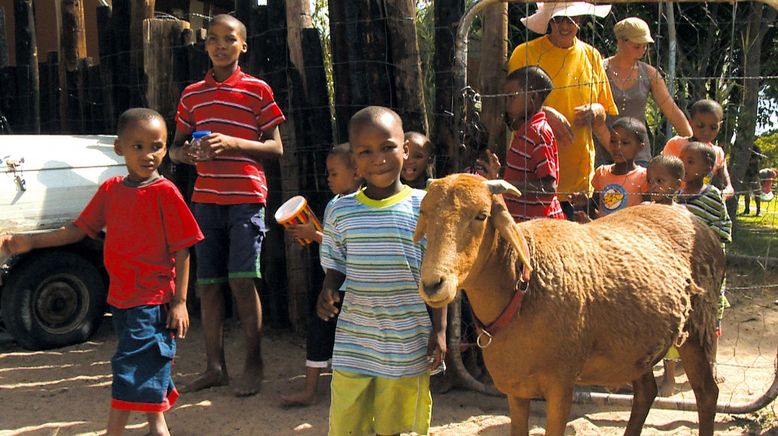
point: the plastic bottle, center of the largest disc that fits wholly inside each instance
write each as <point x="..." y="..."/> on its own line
<point x="196" y="150"/>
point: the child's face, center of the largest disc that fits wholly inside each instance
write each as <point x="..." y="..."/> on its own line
<point x="142" y="144"/>
<point x="695" y="165"/>
<point x="341" y="175"/>
<point x="415" y="166"/>
<point x="624" y="145"/>
<point x="519" y="105"/>
<point x="379" y="149"/>
<point x="705" y="126"/>
<point x="224" y="44"/>
<point x="661" y="183"/>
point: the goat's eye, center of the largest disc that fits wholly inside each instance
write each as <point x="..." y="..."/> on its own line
<point x="481" y="216"/>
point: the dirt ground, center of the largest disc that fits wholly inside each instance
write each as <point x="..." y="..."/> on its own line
<point x="67" y="391"/>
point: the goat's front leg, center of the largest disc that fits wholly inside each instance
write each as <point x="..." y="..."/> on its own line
<point x="519" y="408"/>
<point x="559" y="400"/>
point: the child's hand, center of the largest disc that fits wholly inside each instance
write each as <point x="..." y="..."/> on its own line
<point x="436" y="349"/>
<point x="728" y="192"/>
<point x="15" y="244"/>
<point x="582" y="217"/>
<point x="325" y="305"/>
<point x="578" y="199"/>
<point x="178" y="318"/>
<point x="489" y="169"/>
<point x="589" y="114"/>
<point x="186" y="154"/>
<point x="303" y="231"/>
<point x="214" y="144"/>
<point x="563" y="132"/>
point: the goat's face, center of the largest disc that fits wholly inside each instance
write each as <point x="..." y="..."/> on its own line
<point x="458" y="213"/>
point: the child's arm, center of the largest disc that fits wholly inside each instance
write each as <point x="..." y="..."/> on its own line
<point x="436" y="347"/>
<point x="268" y="147"/>
<point x="178" y="316"/>
<point x="728" y="190"/>
<point x="560" y="125"/>
<point x="325" y="305"/>
<point x="593" y="115"/>
<point x="305" y="231"/>
<point x="24" y="242"/>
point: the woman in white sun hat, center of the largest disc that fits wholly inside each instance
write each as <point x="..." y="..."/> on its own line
<point x="581" y="90"/>
<point x="632" y="80"/>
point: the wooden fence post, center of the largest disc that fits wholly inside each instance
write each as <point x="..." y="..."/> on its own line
<point x="407" y="78"/>
<point x="3" y="40"/>
<point x="492" y="71"/>
<point x="160" y="38"/>
<point x="28" y="89"/>
<point x="107" y="65"/>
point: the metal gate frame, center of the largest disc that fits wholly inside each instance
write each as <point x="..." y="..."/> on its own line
<point x="460" y="375"/>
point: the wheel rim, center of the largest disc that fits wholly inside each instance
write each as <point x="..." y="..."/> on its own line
<point x="61" y="302"/>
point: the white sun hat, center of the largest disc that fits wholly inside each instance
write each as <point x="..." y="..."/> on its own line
<point x="538" y="22"/>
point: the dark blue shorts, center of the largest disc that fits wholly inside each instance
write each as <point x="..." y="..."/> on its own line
<point x="233" y="241"/>
<point x="144" y="356"/>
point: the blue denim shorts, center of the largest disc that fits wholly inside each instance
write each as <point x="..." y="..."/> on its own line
<point x="233" y="241"/>
<point x="144" y="356"/>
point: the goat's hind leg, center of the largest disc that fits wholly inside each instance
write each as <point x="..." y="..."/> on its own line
<point x="519" y="408"/>
<point x="700" y="375"/>
<point x="644" y="389"/>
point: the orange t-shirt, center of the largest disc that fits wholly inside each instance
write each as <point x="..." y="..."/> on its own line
<point x="619" y="191"/>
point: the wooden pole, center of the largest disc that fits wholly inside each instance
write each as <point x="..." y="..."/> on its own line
<point x="3" y="41"/>
<point x="160" y="37"/>
<point x="72" y="34"/>
<point x="407" y="80"/>
<point x="446" y="139"/>
<point x="491" y="74"/>
<point x="340" y="68"/>
<point x="28" y="91"/>
<point x="139" y="10"/>
<point x="107" y="66"/>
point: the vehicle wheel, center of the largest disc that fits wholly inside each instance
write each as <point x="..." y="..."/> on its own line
<point x="53" y="299"/>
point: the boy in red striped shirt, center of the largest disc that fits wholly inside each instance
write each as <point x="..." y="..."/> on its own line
<point x="229" y="194"/>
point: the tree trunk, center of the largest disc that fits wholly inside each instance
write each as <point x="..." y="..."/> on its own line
<point x="160" y="38"/>
<point x="760" y="19"/>
<point x="28" y="92"/>
<point x="408" y="82"/>
<point x="447" y="15"/>
<point x="491" y="74"/>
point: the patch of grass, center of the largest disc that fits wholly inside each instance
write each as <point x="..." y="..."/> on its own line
<point x="757" y="235"/>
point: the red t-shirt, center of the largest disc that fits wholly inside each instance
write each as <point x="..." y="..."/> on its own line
<point x="241" y="106"/>
<point x="144" y="227"/>
<point x="533" y="156"/>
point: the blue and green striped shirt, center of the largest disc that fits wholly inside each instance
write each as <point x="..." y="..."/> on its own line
<point x="383" y="327"/>
<point x="709" y="206"/>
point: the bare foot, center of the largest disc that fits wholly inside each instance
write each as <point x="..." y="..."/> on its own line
<point x="249" y="383"/>
<point x="300" y="399"/>
<point x="209" y="378"/>
<point x="716" y="376"/>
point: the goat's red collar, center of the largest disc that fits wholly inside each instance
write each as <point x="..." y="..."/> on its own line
<point x="512" y="309"/>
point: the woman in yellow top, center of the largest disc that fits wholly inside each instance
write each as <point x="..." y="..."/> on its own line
<point x="581" y="91"/>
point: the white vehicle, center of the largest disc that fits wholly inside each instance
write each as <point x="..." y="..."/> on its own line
<point x="52" y="297"/>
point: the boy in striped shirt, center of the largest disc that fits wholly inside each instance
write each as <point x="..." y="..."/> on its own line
<point x="229" y="194"/>
<point x="705" y="202"/>
<point x="385" y="344"/>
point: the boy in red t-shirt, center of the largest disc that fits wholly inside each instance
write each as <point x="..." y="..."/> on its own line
<point x="229" y="194"/>
<point x="532" y="162"/>
<point x="148" y="274"/>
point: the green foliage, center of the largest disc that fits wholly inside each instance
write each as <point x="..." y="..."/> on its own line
<point x="768" y="143"/>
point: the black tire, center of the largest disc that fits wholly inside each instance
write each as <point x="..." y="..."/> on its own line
<point x="53" y="299"/>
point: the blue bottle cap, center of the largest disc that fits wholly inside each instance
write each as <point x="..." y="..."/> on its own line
<point x="200" y="133"/>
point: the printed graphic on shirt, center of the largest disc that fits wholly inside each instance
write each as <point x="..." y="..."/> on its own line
<point x="614" y="197"/>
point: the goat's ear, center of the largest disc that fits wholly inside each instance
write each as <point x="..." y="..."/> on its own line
<point x="418" y="235"/>
<point x="503" y="222"/>
<point x="499" y="186"/>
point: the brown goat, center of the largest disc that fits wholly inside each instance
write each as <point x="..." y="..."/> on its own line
<point x="604" y="303"/>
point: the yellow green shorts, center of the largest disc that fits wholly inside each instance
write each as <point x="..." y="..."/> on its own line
<point x="363" y="404"/>
<point x="672" y="354"/>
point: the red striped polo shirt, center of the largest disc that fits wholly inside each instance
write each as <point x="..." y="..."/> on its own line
<point x="533" y="156"/>
<point x="241" y="106"/>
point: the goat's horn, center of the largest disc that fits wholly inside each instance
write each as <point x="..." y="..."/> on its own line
<point x="500" y="186"/>
<point x="429" y="182"/>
